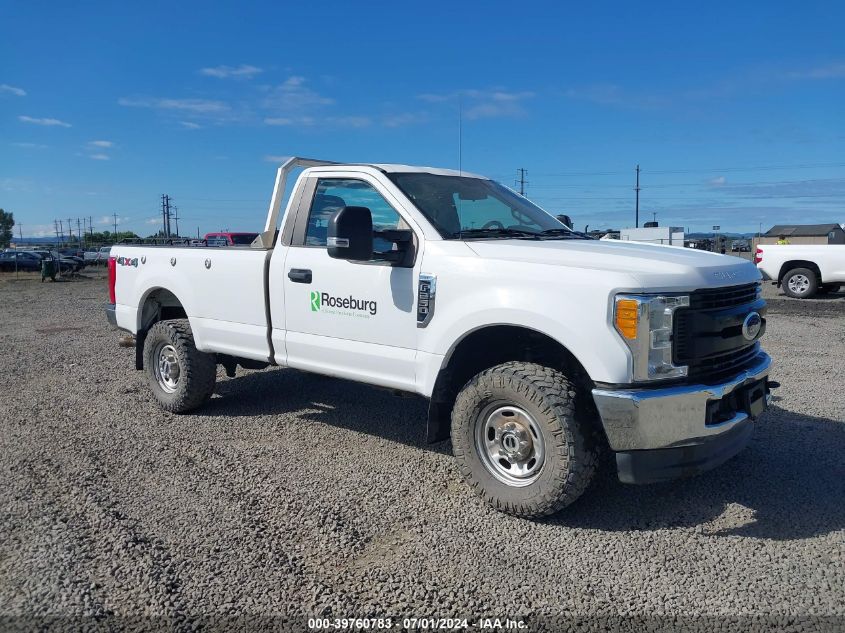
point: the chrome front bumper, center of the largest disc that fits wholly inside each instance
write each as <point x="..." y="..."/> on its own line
<point x="671" y="417"/>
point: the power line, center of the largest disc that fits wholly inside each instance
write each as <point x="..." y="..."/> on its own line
<point x="700" y="170"/>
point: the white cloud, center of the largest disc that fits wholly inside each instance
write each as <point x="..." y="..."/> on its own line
<point x="46" y="121"/>
<point x="483" y="104"/>
<point x="18" y="92"/>
<point x="15" y="184"/>
<point x="283" y="120"/>
<point x="244" y="71"/>
<point x="348" y="121"/>
<point x="99" y="157"/>
<point x="109" y="220"/>
<point x="103" y="144"/>
<point x="329" y="121"/>
<point x="190" y="125"/>
<point x="294" y="96"/>
<point x="717" y="182"/>
<point x="194" y="106"/>
<point x="834" y="70"/>
<point x="606" y="94"/>
<point x="270" y="158"/>
<point x="29" y="145"/>
<point x="153" y="221"/>
<point x="405" y="118"/>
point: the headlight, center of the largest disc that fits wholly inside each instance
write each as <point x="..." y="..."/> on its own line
<point x="645" y="324"/>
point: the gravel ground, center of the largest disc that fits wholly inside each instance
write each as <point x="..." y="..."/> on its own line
<point x="292" y="495"/>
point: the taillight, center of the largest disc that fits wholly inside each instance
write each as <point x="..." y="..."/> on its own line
<point x="112" y="278"/>
<point x="758" y="256"/>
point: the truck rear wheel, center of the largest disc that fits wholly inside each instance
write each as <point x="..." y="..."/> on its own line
<point x="800" y="283"/>
<point x="181" y="377"/>
<point x="518" y="443"/>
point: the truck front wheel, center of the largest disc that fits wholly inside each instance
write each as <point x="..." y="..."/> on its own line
<point x="181" y="377"/>
<point x="517" y="440"/>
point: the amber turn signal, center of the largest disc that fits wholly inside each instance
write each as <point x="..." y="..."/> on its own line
<point x="627" y="317"/>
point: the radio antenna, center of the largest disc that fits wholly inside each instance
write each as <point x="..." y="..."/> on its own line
<point x="460" y="132"/>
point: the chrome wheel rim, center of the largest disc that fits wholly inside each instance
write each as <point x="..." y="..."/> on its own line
<point x="510" y="444"/>
<point x="167" y="370"/>
<point x="799" y="284"/>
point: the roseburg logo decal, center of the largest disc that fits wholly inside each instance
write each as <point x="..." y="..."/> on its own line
<point x="347" y="306"/>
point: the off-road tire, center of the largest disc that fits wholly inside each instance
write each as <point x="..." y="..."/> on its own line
<point x="811" y="278"/>
<point x="198" y="370"/>
<point x="571" y="449"/>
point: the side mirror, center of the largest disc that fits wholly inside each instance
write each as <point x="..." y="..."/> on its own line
<point x="350" y="234"/>
<point x="566" y="220"/>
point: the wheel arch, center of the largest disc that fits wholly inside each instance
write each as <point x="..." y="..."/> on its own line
<point x="798" y="263"/>
<point x="157" y="304"/>
<point x="487" y="346"/>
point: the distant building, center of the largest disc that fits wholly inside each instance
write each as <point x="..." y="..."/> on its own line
<point x="805" y="234"/>
<point x="669" y="235"/>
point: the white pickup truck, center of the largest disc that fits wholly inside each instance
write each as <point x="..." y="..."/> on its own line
<point x="536" y="346"/>
<point x="802" y="270"/>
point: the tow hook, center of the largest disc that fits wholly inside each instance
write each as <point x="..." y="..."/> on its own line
<point x="770" y="384"/>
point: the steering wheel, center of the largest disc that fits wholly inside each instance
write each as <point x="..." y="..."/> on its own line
<point x="522" y="218"/>
<point x="494" y="224"/>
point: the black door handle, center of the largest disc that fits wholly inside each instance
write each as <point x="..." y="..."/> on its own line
<point x="299" y="275"/>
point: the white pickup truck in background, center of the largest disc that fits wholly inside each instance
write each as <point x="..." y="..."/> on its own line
<point x="802" y="270"/>
<point x="535" y="345"/>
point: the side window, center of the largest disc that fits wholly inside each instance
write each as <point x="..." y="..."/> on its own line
<point x="333" y="194"/>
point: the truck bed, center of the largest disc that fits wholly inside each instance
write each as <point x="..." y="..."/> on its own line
<point x="222" y="289"/>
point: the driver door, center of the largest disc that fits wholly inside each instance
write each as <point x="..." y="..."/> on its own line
<point x="350" y="319"/>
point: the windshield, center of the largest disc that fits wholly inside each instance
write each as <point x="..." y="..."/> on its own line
<point x="461" y="207"/>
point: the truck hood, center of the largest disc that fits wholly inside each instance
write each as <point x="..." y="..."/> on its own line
<point x="655" y="267"/>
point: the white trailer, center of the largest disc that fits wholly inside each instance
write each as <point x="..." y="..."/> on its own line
<point x="668" y="235"/>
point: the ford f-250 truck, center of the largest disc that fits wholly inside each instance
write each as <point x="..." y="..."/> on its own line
<point x="535" y="345"/>
<point x="802" y="270"/>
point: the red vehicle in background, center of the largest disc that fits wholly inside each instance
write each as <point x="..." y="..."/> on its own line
<point x="229" y="239"/>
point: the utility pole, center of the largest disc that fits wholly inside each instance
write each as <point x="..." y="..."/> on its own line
<point x="57" y="226"/>
<point x="520" y="180"/>
<point x="165" y="214"/>
<point x="176" y="219"/>
<point x="637" y="190"/>
<point x="91" y="227"/>
<point x="69" y="231"/>
<point x="62" y="231"/>
<point x="114" y="216"/>
<point x="78" y="233"/>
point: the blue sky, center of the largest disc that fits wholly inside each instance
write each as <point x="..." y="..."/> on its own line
<point x="735" y="111"/>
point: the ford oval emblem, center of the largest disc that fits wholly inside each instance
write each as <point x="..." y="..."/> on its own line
<point x="751" y="326"/>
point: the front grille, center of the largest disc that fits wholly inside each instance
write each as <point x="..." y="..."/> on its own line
<point x="707" y="336"/>
<point x="724" y="365"/>
<point x="715" y="298"/>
